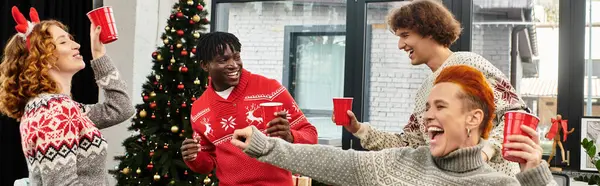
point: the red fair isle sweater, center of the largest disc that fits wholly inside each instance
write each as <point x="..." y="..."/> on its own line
<point x="214" y="119"/>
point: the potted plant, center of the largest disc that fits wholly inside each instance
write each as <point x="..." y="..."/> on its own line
<point x="590" y="150"/>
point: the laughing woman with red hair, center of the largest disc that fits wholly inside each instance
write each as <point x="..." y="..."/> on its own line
<point x="459" y="113"/>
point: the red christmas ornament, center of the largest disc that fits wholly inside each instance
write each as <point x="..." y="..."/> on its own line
<point x="156" y="83"/>
<point x="172" y="16"/>
<point x="150" y="166"/>
<point x="194" y="50"/>
<point x="179" y="14"/>
<point x="153" y="116"/>
<point x="183" y="105"/>
<point x="154" y="55"/>
<point x="151" y="153"/>
<point x="185" y="172"/>
<point x="153" y="105"/>
<point x="166" y="176"/>
<point x="184" y="52"/>
<point x="171" y="48"/>
<point x="168" y="103"/>
<point x="166" y="146"/>
<point x="205" y="20"/>
<point x="183" y="69"/>
<point x="143" y="138"/>
<point x="180" y="32"/>
<point x="193" y="98"/>
<point x="169" y="67"/>
<point x="146" y="98"/>
<point x="192" y="22"/>
<point x="160" y="87"/>
<point x="180" y="86"/>
<point x="200" y="7"/>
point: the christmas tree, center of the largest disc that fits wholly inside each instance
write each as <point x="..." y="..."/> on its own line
<point x="161" y="124"/>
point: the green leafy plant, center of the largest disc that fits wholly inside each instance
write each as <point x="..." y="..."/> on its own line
<point x="590" y="150"/>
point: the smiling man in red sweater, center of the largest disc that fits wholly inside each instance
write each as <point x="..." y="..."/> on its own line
<point x="232" y="102"/>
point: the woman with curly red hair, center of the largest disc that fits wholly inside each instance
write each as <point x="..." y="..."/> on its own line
<point x="458" y="116"/>
<point x="60" y="137"/>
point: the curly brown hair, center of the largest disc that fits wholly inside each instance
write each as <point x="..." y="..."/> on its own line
<point x="428" y="18"/>
<point x="24" y="72"/>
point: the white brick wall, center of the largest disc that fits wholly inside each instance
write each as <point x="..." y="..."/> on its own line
<point x="260" y="28"/>
<point x="393" y="80"/>
<point x="493" y="43"/>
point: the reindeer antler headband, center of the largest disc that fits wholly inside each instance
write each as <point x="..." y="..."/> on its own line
<point x="25" y="27"/>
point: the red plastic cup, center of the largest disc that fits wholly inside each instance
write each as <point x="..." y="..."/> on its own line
<point x="268" y="111"/>
<point x="340" y="108"/>
<point x="512" y="126"/>
<point x="104" y="18"/>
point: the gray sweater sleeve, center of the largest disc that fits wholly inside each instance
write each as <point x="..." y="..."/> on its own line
<point x="327" y="164"/>
<point x="540" y="175"/>
<point x="117" y="107"/>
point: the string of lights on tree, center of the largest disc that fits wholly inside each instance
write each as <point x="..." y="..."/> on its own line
<point x="162" y="121"/>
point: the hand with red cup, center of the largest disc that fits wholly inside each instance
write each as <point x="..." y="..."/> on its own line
<point x="276" y="121"/>
<point x="521" y="142"/>
<point x="341" y="106"/>
<point x="104" y="18"/>
<point x="343" y="115"/>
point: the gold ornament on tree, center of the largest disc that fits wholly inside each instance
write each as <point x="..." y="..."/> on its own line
<point x="166" y="41"/>
<point x="174" y="129"/>
<point x="159" y="57"/>
<point x="138" y="171"/>
<point x="179" y="45"/>
<point x="126" y="170"/>
<point x="173" y="30"/>
<point x="143" y="113"/>
<point x="206" y="180"/>
<point x="196" y="18"/>
<point x="167" y="28"/>
<point x="196" y="35"/>
<point x="172" y="60"/>
<point x="156" y="177"/>
<point x="197" y="81"/>
<point x="152" y="94"/>
<point x="190" y="2"/>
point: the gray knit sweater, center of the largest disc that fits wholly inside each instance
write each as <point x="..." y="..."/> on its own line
<point x="60" y="137"/>
<point x="397" y="166"/>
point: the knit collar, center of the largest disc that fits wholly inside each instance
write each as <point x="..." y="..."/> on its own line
<point x="463" y="159"/>
<point x="237" y="91"/>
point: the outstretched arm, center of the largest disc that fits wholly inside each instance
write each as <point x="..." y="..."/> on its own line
<point x="117" y="107"/>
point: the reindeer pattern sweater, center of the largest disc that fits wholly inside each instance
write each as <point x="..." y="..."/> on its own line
<point x="60" y="137"/>
<point x="214" y="119"/>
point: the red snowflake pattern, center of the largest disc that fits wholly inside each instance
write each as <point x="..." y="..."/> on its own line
<point x="412" y="125"/>
<point x="505" y="89"/>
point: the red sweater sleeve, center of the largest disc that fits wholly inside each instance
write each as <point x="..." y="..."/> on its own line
<point x="301" y="129"/>
<point x="205" y="160"/>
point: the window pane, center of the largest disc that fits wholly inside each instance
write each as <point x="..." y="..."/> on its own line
<point x="592" y="65"/>
<point x="392" y="80"/>
<point x="300" y="43"/>
<point x="531" y="30"/>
